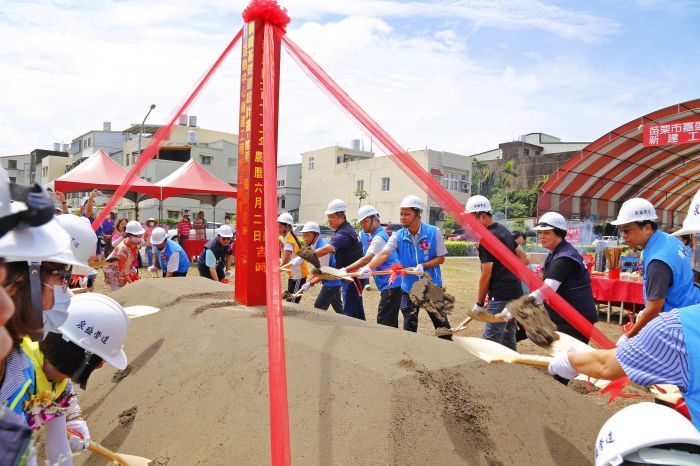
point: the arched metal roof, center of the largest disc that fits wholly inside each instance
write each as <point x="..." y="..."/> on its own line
<point x="617" y="167"/>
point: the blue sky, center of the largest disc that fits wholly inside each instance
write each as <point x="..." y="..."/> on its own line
<point x="458" y="75"/>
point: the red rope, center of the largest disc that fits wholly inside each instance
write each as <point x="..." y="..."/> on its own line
<point x="279" y="411"/>
<point x="161" y="135"/>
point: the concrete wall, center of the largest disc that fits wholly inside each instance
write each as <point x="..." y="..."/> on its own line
<point x="21" y="173"/>
<point x="51" y="167"/>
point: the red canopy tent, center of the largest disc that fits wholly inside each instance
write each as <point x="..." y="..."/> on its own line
<point x="194" y="182"/>
<point x="99" y="171"/>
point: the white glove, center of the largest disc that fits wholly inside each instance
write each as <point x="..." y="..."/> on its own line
<point x="562" y="367"/>
<point x="343" y="271"/>
<point x="505" y="314"/>
<point x="365" y="272"/>
<point x="622" y="340"/>
<point x="478" y="308"/>
<point x="296" y="262"/>
<point x="228" y="274"/>
<point x="76" y="443"/>
<point x="152" y="269"/>
<point x="306" y="287"/>
<point x="419" y="268"/>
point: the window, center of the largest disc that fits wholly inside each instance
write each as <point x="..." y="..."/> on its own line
<point x="174" y="214"/>
<point x="231" y="161"/>
<point x="280" y="183"/>
<point x="283" y="202"/>
<point x="128" y="157"/>
<point x="13" y="179"/>
<point x="45" y="171"/>
<point x="455" y="182"/>
<point x="338" y="159"/>
<point x="526" y="151"/>
<point x="360" y="185"/>
<point x="386" y="182"/>
<point x="311" y="163"/>
<point x="206" y="159"/>
<point x="12" y="165"/>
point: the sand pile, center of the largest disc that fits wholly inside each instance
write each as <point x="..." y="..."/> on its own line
<point x="359" y="393"/>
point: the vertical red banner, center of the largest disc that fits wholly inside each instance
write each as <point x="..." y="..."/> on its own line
<point x="250" y="224"/>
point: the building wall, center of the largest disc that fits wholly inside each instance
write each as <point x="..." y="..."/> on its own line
<point x="289" y="189"/>
<point x="329" y="180"/>
<point x="20" y="171"/>
<point x="51" y="167"/>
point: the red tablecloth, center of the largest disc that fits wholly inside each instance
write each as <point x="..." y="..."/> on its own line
<point x="193" y="247"/>
<point x="606" y="290"/>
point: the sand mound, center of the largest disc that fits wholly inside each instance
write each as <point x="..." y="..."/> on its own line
<point x="359" y="393"/>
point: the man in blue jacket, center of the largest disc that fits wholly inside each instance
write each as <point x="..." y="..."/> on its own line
<point x="374" y="238"/>
<point x="668" y="274"/>
<point x="170" y="255"/>
<point x="417" y="245"/>
<point x="215" y="260"/>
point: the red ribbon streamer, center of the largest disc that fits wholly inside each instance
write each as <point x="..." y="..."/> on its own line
<point x="443" y="198"/>
<point x="161" y="135"/>
<point x="279" y="411"/>
<point x="396" y="270"/>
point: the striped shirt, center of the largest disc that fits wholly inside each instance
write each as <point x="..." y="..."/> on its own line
<point x="657" y="354"/>
<point x="15" y="364"/>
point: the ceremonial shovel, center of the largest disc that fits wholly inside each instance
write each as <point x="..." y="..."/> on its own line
<point x="490" y="351"/>
<point x="118" y="458"/>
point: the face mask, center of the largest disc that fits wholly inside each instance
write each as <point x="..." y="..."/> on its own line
<point x="57" y="315"/>
<point x="137" y="240"/>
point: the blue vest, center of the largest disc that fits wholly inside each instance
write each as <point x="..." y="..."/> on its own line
<point x="576" y="291"/>
<point x="170" y="248"/>
<point x="220" y="253"/>
<point x="690" y="322"/>
<point x="331" y="262"/>
<point x="382" y="281"/>
<point x="668" y="249"/>
<point x="26" y="387"/>
<point x="411" y="254"/>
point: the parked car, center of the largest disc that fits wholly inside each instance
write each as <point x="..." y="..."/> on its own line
<point x="391" y="228"/>
<point x="459" y="235"/>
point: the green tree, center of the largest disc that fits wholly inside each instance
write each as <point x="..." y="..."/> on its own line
<point x="505" y="178"/>
<point x="361" y="194"/>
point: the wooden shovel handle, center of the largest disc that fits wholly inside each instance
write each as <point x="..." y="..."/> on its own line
<point x="102" y="451"/>
<point x="529" y="361"/>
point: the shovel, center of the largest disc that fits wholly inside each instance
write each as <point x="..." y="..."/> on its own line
<point x="493" y="352"/>
<point x="140" y="311"/>
<point x="118" y="458"/>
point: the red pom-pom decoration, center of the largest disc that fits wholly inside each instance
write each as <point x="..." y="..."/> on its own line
<point x="268" y="10"/>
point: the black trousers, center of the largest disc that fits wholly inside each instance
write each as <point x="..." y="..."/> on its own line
<point x="410" y="317"/>
<point x="389" y="306"/>
<point x="177" y="274"/>
<point x="329" y="296"/>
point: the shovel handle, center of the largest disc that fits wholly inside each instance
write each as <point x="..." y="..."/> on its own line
<point x="529" y="361"/>
<point x="100" y="450"/>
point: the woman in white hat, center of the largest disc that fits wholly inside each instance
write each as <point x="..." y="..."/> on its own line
<point x="125" y="254"/>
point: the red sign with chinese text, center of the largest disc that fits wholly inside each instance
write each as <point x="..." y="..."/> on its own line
<point x="573" y="234"/>
<point x="250" y="224"/>
<point x="679" y="132"/>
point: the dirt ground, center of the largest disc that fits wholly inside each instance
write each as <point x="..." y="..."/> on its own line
<point x="196" y="389"/>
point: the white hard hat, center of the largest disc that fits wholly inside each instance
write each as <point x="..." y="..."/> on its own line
<point x="83" y="244"/>
<point x="98" y="324"/>
<point x="133" y="227"/>
<point x="412" y="202"/>
<point x="366" y="211"/>
<point x="633" y="433"/>
<point x="691" y="224"/>
<point x="311" y="227"/>
<point x="285" y="218"/>
<point x="335" y="206"/>
<point x="635" y="210"/>
<point x="34" y="244"/>
<point x="551" y="221"/>
<point x="158" y="235"/>
<point x="478" y="203"/>
<point x="225" y="231"/>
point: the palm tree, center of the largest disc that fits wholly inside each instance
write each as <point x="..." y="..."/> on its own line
<point x="505" y="177"/>
<point x="361" y="194"/>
